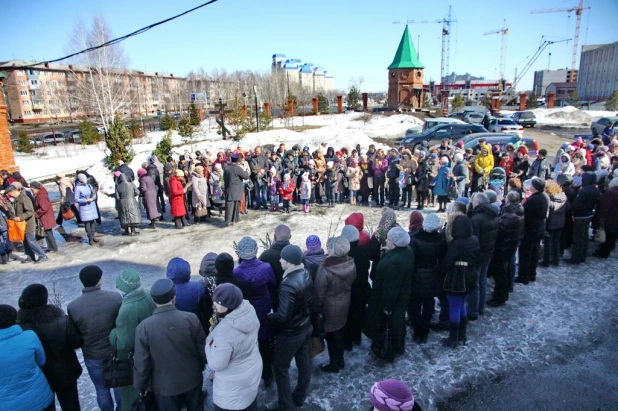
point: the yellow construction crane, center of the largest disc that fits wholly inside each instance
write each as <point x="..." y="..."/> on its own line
<point x="578" y="11"/>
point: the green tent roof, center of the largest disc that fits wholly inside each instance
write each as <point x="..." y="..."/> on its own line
<point x="406" y="56"/>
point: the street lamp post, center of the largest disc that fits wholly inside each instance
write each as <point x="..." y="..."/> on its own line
<point x="257" y="118"/>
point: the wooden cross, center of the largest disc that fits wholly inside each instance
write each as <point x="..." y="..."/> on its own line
<point x="221" y="121"/>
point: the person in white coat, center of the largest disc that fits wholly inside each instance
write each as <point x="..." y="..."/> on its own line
<point x="232" y="351"/>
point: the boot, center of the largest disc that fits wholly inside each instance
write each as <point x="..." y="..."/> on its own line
<point x="11" y="257"/>
<point x="463" y="326"/>
<point x="152" y="224"/>
<point x="133" y="231"/>
<point x="4" y="259"/>
<point x="126" y="232"/>
<point x="307" y="208"/>
<point x="453" y="337"/>
<point x="184" y="221"/>
<point x="178" y="223"/>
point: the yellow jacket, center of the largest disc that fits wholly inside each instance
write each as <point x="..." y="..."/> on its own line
<point x="484" y="163"/>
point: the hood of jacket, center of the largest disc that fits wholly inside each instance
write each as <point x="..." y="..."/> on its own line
<point x="243" y="318"/>
<point x="319" y="251"/>
<point x="589" y="178"/>
<point x="462" y="227"/>
<point x="42" y="192"/>
<point x="487" y="209"/>
<point x="178" y="270"/>
<point x="342" y="267"/>
<point x="39" y="315"/>
<point x="515" y="208"/>
<point x="121" y="179"/>
<point x="207" y="267"/>
<point x="357" y="220"/>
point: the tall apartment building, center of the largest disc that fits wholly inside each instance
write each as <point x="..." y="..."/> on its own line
<point x="307" y="75"/>
<point x="48" y="92"/>
<point x="544" y="78"/>
<point x="598" y="71"/>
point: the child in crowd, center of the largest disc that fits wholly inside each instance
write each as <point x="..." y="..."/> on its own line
<point x="305" y="191"/>
<point x="273" y="189"/>
<point x="330" y="182"/>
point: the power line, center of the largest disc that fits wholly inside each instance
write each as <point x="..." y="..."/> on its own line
<point x="119" y="39"/>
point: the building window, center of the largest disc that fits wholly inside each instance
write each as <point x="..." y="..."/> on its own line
<point x="47" y="83"/>
<point x="26" y="102"/>
<point x="34" y="82"/>
<point x="33" y="92"/>
<point x="20" y="72"/>
<point x="55" y="83"/>
<point x="24" y="92"/>
<point x="46" y="73"/>
<point x="22" y="82"/>
<point x="48" y="93"/>
<point x="28" y="112"/>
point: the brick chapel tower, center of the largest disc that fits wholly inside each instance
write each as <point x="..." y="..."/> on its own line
<point x="405" y="76"/>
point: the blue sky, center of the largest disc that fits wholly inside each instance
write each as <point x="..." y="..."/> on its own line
<point x="350" y="38"/>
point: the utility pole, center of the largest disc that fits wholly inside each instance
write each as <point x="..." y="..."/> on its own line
<point x="257" y="117"/>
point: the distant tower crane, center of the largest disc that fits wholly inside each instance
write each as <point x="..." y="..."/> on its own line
<point x="446" y="41"/>
<point x="578" y="11"/>
<point x="503" y="31"/>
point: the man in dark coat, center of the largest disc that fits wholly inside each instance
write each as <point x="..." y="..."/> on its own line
<point x="511" y="225"/>
<point x="535" y="214"/>
<point x="259" y="175"/>
<point x="24" y="211"/>
<point x="360" y="289"/>
<point x="583" y="211"/>
<point x="272" y="256"/>
<point x="540" y="167"/>
<point x="608" y="219"/>
<point x="94" y="314"/>
<point x="485" y="227"/>
<point x="233" y="177"/>
<point x="126" y="170"/>
<point x="169" y="330"/>
<point x="44" y="212"/>
<point x="293" y="328"/>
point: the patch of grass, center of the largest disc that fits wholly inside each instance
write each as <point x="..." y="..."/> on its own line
<point x="365" y="118"/>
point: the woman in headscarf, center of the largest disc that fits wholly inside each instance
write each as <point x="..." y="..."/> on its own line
<point x="378" y="239"/>
<point x="199" y="195"/>
<point x="128" y="207"/>
<point x="149" y="193"/>
<point x="216" y="187"/>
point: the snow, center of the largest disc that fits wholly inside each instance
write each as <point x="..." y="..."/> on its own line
<point x="568" y="117"/>
<point x="566" y="307"/>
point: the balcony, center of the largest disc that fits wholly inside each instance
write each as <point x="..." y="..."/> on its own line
<point x="37" y="107"/>
<point x="34" y="86"/>
<point x="155" y="102"/>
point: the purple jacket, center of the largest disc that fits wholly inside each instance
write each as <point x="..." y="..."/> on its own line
<point x="380" y="166"/>
<point x="261" y="280"/>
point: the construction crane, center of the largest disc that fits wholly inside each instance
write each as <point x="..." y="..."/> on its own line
<point x="446" y="41"/>
<point x="503" y="32"/>
<point x="578" y="11"/>
<point x="533" y="58"/>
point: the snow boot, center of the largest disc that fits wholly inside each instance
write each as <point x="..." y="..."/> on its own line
<point x="184" y="221"/>
<point x="126" y="232"/>
<point x="453" y="337"/>
<point x="463" y="327"/>
<point x="4" y="259"/>
<point x="11" y="257"/>
<point x="134" y="231"/>
<point x="178" y="223"/>
<point x="152" y="225"/>
<point x="307" y="209"/>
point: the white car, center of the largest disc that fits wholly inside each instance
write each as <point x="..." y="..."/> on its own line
<point x="505" y="125"/>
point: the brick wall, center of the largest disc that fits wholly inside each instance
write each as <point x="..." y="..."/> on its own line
<point x="7" y="159"/>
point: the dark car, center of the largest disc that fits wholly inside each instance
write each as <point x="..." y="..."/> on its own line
<point x="435" y="134"/>
<point x="524" y="118"/>
<point x="502" y="141"/>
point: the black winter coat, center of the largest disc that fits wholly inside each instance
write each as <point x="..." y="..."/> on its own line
<point x="511" y="228"/>
<point x="464" y="247"/>
<point x="485" y="225"/>
<point x="272" y="257"/>
<point x="362" y="263"/>
<point x="558" y="205"/>
<point x="296" y="295"/>
<point x="59" y="339"/>
<point x="535" y="207"/>
<point x="587" y="198"/>
<point x="429" y="250"/>
<point x="233" y="177"/>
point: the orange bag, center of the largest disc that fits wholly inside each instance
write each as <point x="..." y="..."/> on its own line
<point x="17" y="230"/>
<point x="67" y="213"/>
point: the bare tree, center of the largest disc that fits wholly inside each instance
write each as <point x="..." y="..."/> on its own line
<point x="103" y="86"/>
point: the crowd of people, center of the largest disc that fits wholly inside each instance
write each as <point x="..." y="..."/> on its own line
<point x="250" y="316"/>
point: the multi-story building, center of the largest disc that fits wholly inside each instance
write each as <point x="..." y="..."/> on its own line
<point x="598" y="71"/>
<point x="39" y="93"/>
<point x="471" y="90"/>
<point x="544" y="78"/>
<point x="307" y="75"/>
<point x="562" y="93"/>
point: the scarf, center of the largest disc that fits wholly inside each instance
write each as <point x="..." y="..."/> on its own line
<point x="388" y="220"/>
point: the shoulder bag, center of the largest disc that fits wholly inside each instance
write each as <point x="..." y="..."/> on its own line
<point x="118" y="373"/>
<point x="455" y="280"/>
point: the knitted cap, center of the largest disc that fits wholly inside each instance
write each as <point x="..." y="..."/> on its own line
<point x="350" y="233"/>
<point x="224" y="264"/>
<point x="128" y="281"/>
<point x="432" y="223"/>
<point x="313" y="242"/>
<point x="228" y="296"/>
<point x="247" y="248"/>
<point x="392" y="395"/>
<point x="562" y="179"/>
<point x="90" y="275"/>
<point x="538" y="184"/>
<point x="339" y="247"/>
<point x="141" y="172"/>
<point x="398" y="236"/>
<point x="207" y="267"/>
<point x="292" y="254"/>
<point x="33" y="296"/>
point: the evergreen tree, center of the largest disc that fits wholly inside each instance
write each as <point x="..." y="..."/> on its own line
<point x="194" y="115"/>
<point x="167" y="122"/>
<point x="532" y="103"/>
<point x="322" y="103"/>
<point x="118" y="143"/>
<point x="89" y="135"/>
<point x="164" y="147"/>
<point x="612" y="102"/>
<point x="186" y="131"/>
<point x="574" y="99"/>
<point x="458" y="102"/>
<point x="135" y="128"/>
<point x="23" y="142"/>
<point x="353" y="98"/>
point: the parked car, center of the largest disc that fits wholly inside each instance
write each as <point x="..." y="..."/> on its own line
<point x="505" y="125"/>
<point x="598" y="126"/>
<point x="437" y="133"/>
<point x="414" y="130"/>
<point x="524" y="118"/>
<point x="432" y="122"/>
<point x="530" y="143"/>
<point x="473" y="118"/>
<point x="53" y="138"/>
<point x="475" y="136"/>
<point x="74" y="136"/>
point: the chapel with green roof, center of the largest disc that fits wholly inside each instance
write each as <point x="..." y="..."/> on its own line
<point x="405" y="76"/>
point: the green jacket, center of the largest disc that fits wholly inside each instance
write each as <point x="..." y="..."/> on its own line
<point x="135" y="308"/>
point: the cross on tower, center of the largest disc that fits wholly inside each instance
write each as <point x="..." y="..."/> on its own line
<point x="221" y="117"/>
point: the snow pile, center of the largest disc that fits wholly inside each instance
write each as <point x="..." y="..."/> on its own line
<point x="567" y="117"/>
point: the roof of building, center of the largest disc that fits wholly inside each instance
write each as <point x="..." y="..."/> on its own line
<point x="306" y="69"/>
<point x="406" y="56"/>
<point x="2" y="75"/>
<point x="590" y="47"/>
<point x="278" y="55"/>
<point x="21" y="64"/>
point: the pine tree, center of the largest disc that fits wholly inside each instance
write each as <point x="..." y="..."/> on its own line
<point x="458" y="102"/>
<point x="186" y="131"/>
<point x="119" y="143"/>
<point x="574" y="99"/>
<point x="88" y="134"/>
<point x="532" y="101"/>
<point x="135" y="128"/>
<point x="23" y="142"/>
<point x="164" y="147"/>
<point x="322" y="103"/>
<point x="194" y="115"/>
<point x="167" y="122"/>
<point x="612" y="102"/>
<point x="353" y="97"/>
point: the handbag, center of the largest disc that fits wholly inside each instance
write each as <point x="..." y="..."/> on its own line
<point x="40" y="232"/>
<point x="145" y="402"/>
<point x="600" y="236"/>
<point x="384" y="348"/>
<point x="316" y="346"/>
<point x="452" y="192"/>
<point x="67" y="213"/>
<point x="370" y="182"/>
<point x="116" y="372"/>
<point x="200" y="211"/>
<point x="17" y="230"/>
<point x="455" y="279"/>
<point x="317" y="322"/>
